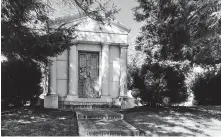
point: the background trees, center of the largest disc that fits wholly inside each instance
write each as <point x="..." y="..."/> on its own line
<point x="20" y="82"/>
<point x="180" y="29"/>
<point x="183" y="32"/>
<point x="161" y="84"/>
<point x="26" y="32"/>
<point x="206" y="87"/>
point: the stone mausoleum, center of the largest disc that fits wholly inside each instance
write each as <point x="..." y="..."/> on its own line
<point x="94" y="71"/>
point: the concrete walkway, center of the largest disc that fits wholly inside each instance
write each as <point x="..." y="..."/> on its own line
<point x="98" y="122"/>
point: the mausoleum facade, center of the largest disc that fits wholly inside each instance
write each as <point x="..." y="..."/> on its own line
<point x="94" y="70"/>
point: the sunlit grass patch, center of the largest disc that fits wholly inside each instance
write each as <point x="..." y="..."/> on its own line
<point x="175" y="121"/>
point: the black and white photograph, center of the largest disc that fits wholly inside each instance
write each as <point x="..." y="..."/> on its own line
<point x="111" y="68"/>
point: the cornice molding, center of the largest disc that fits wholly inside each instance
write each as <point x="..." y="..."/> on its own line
<point x="124" y="45"/>
<point x="106" y="43"/>
<point x="76" y="42"/>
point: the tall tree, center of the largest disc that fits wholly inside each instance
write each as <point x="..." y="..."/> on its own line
<point x="205" y="31"/>
<point x="27" y="35"/>
<point x="175" y="31"/>
<point x="179" y="29"/>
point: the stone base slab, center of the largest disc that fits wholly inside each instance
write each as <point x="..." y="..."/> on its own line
<point x="128" y="103"/>
<point x="125" y="102"/>
<point x="76" y="100"/>
<point x="105" y="122"/>
<point x="106" y="127"/>
<point x="105" y="97"/>
<point x="85" y="103"/>
<point x="51" y="101"/>
<point x="98" y="114"/>
<point x="71" y="98"/>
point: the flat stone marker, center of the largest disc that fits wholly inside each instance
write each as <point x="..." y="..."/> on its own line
<point x="98" y="114"/>
<point x="103" y="123"/>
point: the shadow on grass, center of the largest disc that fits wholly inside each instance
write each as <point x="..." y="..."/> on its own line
<point x="39" y="122"/>
<point x="174" y="121"/>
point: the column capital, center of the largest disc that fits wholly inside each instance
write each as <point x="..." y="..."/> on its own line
<point x="106" y="43"/>
<point x="74" y="41"/>
<point x="124" y="45"/>
<point x="73" y="44"/>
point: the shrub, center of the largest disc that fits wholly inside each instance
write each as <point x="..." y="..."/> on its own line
<point x="135" y="81"/>
<point x="20" y="82"/>
<point x="161" y="85"/>
<point x="207" y="88"/>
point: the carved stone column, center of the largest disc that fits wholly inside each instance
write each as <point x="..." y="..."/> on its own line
<point x="51" y="99"/>
<point x="123" y="70"/>
<point x="105" y="69"/>
<point x="73" y="72"/>
<point x="53" y="77"/>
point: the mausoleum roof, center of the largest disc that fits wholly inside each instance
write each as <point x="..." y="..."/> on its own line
<point x="80" y="16"/>
<point x="91" y="30"/>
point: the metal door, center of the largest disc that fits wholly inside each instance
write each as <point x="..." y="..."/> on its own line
<point x="88" y="85"/>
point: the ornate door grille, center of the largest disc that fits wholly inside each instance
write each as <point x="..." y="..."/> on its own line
<point x="88" y="85"/>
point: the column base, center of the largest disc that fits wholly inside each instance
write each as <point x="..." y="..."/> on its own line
<point x="125" y="102"/>
<point x="71" y="98"/>
<point x="51" y="101"/>
<point x="105" y="97"/>
<point x="122" y="96"/>
<point x="128" y="103"/>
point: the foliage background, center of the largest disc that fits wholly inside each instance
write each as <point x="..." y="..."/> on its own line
<point x="175" y="32"/>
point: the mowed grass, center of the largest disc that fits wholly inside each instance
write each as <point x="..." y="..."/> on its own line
<point x="39" y="122"/>
<point x="175" y="121"/>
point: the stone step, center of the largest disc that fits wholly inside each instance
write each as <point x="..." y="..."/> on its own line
<point x="61" y="106"/>
<point x="103" y="122"/>
<point x="105" y="127"/>
<point x="98" y="114"/>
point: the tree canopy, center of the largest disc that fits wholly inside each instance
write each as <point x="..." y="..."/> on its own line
<point x="26" y="33"/>
<point x="175" y="35"/>
<point x="180" y="29"/>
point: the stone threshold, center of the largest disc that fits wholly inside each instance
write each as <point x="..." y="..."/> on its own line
<point x="86" y="104"/>
<point x="77" y="99"/>
<point x="95" y="127"/>
<point x="97" y="122"/>
<point x="98" y="114"/>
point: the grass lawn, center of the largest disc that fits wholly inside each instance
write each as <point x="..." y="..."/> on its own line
<point x="39" y="122"/>
<point x="175" y="121"/>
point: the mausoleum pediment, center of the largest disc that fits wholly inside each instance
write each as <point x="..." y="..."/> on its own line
<point x="91" y="30"/>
